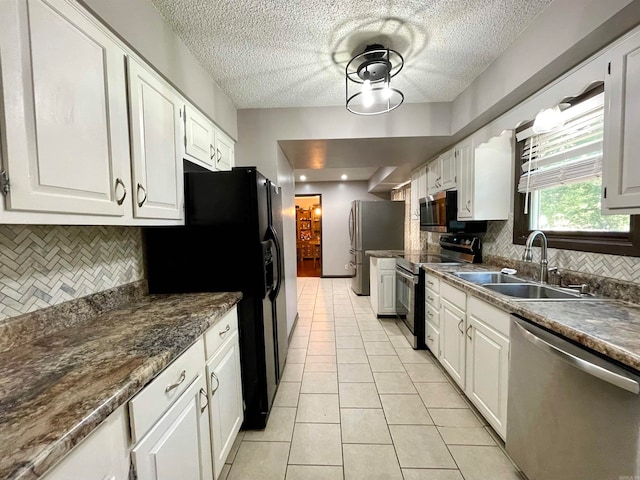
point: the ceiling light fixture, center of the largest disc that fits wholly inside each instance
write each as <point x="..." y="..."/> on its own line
<point x="368" y="81"/>
<point x="343" y="177"/>
<point x="303" y="177"/>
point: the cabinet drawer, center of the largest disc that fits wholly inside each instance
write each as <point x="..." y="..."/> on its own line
<point x="432" y="282"/>
<point x="147" y="407"/>
<point x="453" y="295"/>
<point x="386" y="264"/>
<point x="432" y="314"/>
<point x="432" y="298"/>
<point x="493" y="317"/>
<point x="216" y="335"/>
<point x="432" y="339"/>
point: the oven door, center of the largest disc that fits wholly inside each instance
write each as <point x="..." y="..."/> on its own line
<point x="406" y="283"/>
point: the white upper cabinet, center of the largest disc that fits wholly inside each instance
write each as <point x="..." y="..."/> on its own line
<point x="224" y="152"/>
<point x="199" y="138"/>
<point x="621" y="168"/>
<point x="441" y="173"/>
<point x="485" y="178"/>
<point x="65" y="106"/>
<point x="155" y="144"/>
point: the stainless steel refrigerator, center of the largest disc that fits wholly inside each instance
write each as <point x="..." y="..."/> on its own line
<point x="373" y="226"/>
<point x="231" y="242"/>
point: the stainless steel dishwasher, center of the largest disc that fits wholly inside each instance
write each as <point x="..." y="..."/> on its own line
<point x="571" y="414"/>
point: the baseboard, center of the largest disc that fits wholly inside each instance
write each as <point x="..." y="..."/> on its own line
<point x="336" y="276"/>
<point x="295" y="322"/>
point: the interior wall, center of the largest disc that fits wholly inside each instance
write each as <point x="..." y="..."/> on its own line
<point x="336" y="204"/>
<point x="563" y="35"/>
<point x="286" y="181"/>
<point x="139" y="24"/>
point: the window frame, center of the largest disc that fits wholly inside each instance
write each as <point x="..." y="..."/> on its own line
<point x="615" y="243"/>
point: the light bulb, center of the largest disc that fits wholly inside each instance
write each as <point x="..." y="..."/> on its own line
<point x="367" y="99"/>
<point x="387" y="92"/>
<point x="366" y="86"/>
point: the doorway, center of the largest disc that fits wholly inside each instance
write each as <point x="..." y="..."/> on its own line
<point x="309" y="235"/>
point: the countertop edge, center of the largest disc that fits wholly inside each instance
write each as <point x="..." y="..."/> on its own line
<point x="519" y="308"/>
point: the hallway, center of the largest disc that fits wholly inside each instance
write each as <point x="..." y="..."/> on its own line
<point x="356" y="402"/>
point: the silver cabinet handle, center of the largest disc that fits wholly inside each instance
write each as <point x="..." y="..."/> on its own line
<point x="469" y="336"/>
<point x="467" y="206"/>
<point x="140" y="187"/>
<point x="430" y="313"/>
<point x="212" y="152"/>
<point x="214" y="390"/>
<point x="204" y="394"/>
<point x="430" y="298"/>
<point x="408" y="277"/>
<point x="223" y="332"/>
<point x="460" y="326"/>
<point x="430" y="282"/>
<point x="554" y="346"/>
<point x="430" y="338"/>
<point x="119" y="181"/>
<point x="183" y="375"/>
<point x="219" y="157"/>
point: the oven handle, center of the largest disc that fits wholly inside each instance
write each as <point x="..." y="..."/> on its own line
<point x="411" y="278"/>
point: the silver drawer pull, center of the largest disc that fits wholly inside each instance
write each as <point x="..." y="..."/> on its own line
<point x="120" y="200"/>
<point x="204" y="394"/>
<point x="430" y="314"/>
<point x="224" y="332"/>
<point x="140" y="187"/>
<point x="469" y="336"/>
<point x="213" y="376"/>
<point x="183" y="375"/>
<point x="460" y="327"/>
<point x="430" y="298"/>
<point x="430" y="282"/>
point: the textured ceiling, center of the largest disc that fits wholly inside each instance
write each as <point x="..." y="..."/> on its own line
<point x="291" y="53"/>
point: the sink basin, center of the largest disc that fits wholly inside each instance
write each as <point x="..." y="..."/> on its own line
<point x="527" y="291"/>
<point x="488" y="277"/>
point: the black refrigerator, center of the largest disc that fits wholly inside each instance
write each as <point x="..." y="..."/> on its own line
<point x="231" y="242"/>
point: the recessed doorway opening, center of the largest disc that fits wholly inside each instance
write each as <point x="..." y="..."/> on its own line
<point x="309" y="235"/>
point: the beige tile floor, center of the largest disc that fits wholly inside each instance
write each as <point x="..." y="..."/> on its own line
<point x="356" y="402"/>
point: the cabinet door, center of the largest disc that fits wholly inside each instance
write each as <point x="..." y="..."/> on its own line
<point x="65" y="107"/>
<point x="375" y="285"/>
<point x="488" y="372"/>
<point x="465" y="179"/>
<point x="415" y="203"/>
<point x="433" y="177"/>
<point x="387" y="293"/>
<point x="178" y="446"/>
<point x="621" y="168"/>
<point x="155" y="140"/>
<point x="225" y="387"/>
<point x="422" y="182"/>
<point x="224" y="152"/>
<point x="199" y="138"/>
<point x="448" y="175"/>
<point x="452" y="344"/>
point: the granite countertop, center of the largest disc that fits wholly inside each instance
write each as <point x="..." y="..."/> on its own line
<point x="388" y="253"/>
<point x="55" y="389"/>
<point x="610" y="327"/>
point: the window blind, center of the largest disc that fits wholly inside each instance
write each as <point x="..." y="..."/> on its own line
<point x="572" y="153"/>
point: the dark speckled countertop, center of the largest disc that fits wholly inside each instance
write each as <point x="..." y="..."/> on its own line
<point x="55" y="389"/>
<point x="610" y="327"/>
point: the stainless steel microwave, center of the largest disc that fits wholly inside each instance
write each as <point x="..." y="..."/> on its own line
<point x="439" y="213"/>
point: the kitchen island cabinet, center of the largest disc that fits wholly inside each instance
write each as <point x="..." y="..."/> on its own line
<point x="383" y="286"/>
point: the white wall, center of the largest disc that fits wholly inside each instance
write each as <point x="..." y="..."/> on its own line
<point x="564" y="34"/>
<point x="336" y="203"/>
<point x="140" y="25"/>
<point x="286" y="181"/>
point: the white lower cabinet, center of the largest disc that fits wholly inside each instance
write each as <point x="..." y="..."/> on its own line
<point x="225" y="398"/>
<point x="178" y="445"/>
<point x="488" y="362"/>
<point x="383" y="285"/>
<point x="453" y="305"/>
<point x="103" y="455"/>
<point x="474" y="350"/>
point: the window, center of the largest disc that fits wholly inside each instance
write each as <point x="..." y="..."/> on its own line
<point x="559" y="182"/>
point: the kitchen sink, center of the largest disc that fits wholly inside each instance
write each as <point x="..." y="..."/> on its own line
<point x="528" y="291"/>
<point x="488" y="277"/>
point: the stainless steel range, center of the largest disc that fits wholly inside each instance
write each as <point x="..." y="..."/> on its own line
<point x="410" y="279"/>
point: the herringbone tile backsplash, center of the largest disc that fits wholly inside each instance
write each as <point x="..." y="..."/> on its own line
<point x="43" y="265"/>
<point x="499" y="241"/>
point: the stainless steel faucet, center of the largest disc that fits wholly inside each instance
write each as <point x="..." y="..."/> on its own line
<point x="528" y="256"/>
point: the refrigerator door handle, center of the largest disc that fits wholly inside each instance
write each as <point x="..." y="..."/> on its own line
<point x="276" y="242"/>
<point x="351" y="226"/>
